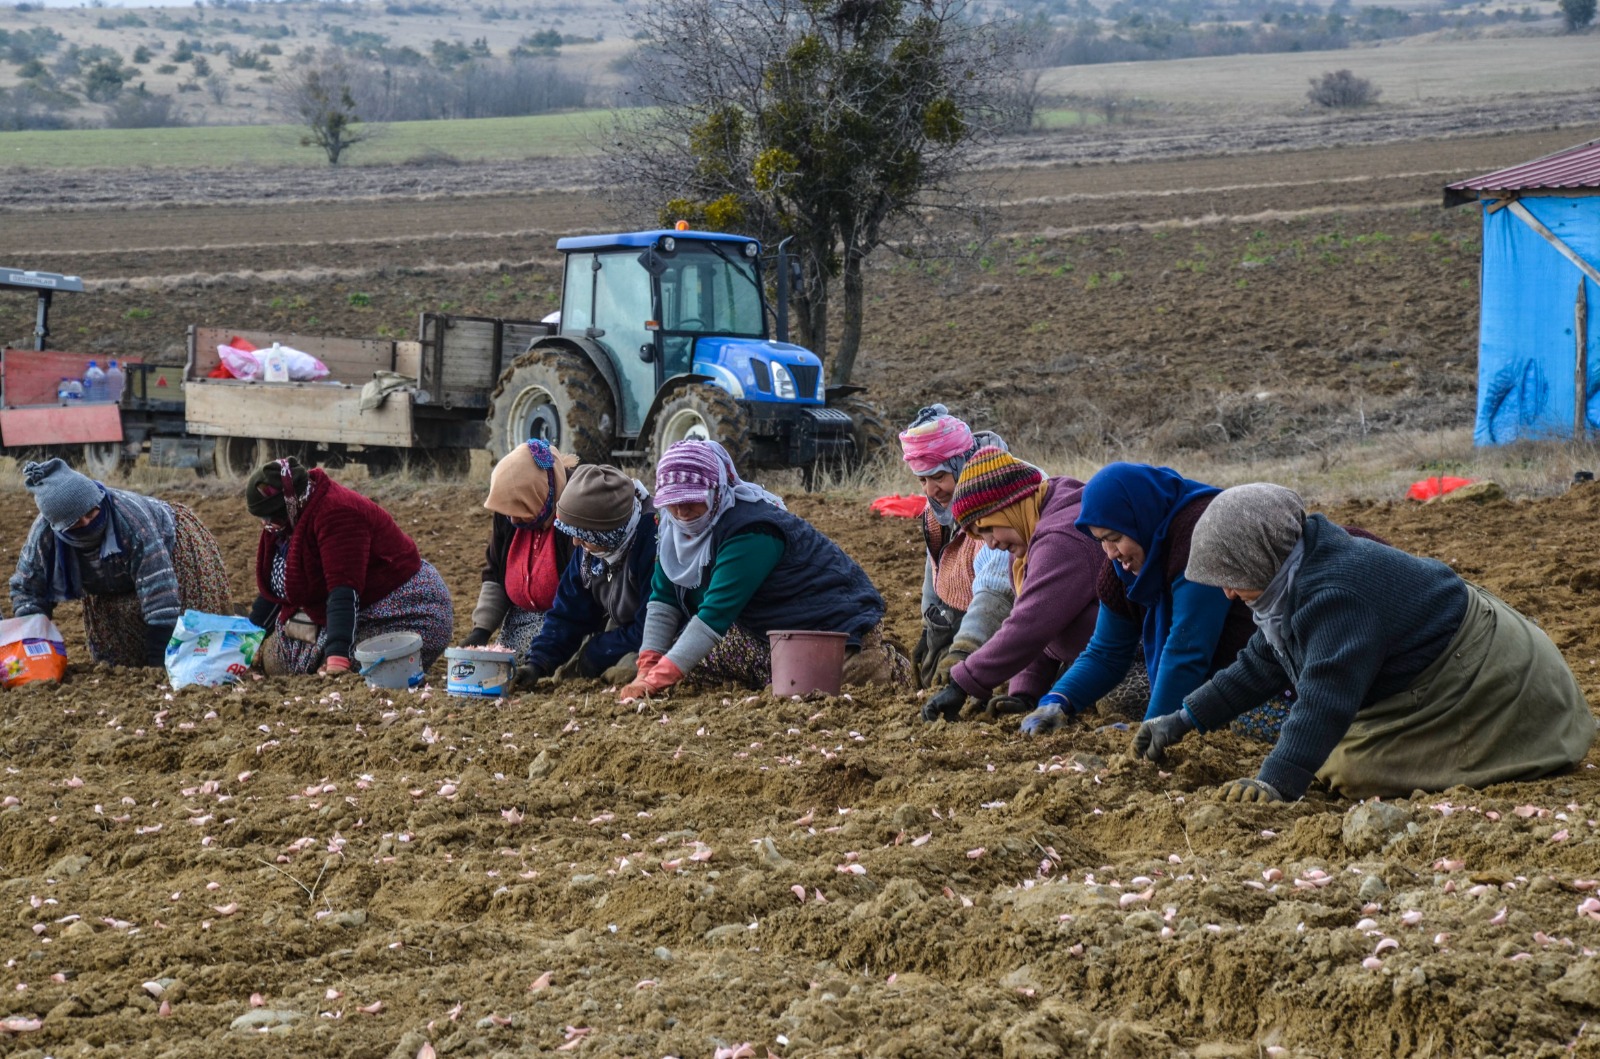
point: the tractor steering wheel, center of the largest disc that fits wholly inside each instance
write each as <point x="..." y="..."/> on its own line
<point x="691" y="323"/>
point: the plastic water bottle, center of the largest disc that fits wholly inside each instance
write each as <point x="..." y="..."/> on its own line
<point x="116" y="382"/>
<point x="94" y="383"/>
<point x="70" y="390"/>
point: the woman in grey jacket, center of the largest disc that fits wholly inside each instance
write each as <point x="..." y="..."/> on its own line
<point x="1406" y="677"/>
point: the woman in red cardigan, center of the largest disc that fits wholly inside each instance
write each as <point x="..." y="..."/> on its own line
<point x="332" y="569"/>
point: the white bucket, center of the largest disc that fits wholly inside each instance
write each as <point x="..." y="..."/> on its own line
<point x="393" y="660"/>
<point x="473" y="673"/>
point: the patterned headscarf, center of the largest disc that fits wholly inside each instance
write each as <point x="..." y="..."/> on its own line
<point x="697" y="472"/>
<point x="936" y="442"/>
<point x="266" y="495"/>
<point x="526" y="482"/>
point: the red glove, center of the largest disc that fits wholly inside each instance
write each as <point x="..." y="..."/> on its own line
<point x="336" y="666"/>
<point x="648" y="660"/>
<point x="662" y="676"/>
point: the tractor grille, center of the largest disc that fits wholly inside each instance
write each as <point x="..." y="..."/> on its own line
<point x="763" y="374"/>
<point x="805" y="378"/>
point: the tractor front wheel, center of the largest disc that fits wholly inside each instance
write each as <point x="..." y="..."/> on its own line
<point x="557" y="396"/>
<point x="702" y="412"/>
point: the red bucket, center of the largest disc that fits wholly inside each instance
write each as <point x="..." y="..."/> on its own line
<point x="805" y="661"/>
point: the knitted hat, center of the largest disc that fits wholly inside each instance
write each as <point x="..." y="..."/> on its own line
<point x="1245" y="535"/>
<point x="993" y="479"/>
<point x="63" y="495"/>
<point x="263" y="493"/>
<point x="597" y="497"/>
<point x="691" y="471"/>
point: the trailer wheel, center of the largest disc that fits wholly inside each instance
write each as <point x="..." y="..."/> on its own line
<point x="700" y="411"/>
<point x="235" y="459"/>
<point x="102" y="458"/>
<point x="555" y="395"/>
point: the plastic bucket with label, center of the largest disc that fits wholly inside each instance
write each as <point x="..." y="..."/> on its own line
<point x="475" y="673"/>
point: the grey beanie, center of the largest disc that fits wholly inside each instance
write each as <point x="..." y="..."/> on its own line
<point x="63" y="495"/>
<point x="597" y="497"/>
<point x="1245" y="535"/>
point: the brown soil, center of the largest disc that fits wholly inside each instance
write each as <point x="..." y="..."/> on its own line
<point x="446" y="857"/>
<point x="311" y="814"/>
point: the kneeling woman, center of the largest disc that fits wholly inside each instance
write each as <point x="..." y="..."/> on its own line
<point x="136" y="562"/>
<point x="599" y="609"/>
<point x="733" y="565"/>
<point x="1016" y="510"/>
<point x="1406" y="677"/>
<point x="332" y="569"/>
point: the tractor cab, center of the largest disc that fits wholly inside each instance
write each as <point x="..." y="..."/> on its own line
<point x="663" y="335"/>
<point x="665" y="304"/>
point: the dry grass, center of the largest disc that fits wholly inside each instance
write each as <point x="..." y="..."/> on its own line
<point x="1407" y="71"/>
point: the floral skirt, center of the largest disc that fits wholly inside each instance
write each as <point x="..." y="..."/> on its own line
<point x="740" y="658"/>
<point x="422" y="605"/>
<point x="520" y="628"/>
<point x="115" y="624"/>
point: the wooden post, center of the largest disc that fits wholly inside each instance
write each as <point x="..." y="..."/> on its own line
<point x="1580" y="378"/>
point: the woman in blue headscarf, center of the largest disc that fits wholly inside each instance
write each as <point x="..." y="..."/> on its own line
<point x="1143" y="517"/>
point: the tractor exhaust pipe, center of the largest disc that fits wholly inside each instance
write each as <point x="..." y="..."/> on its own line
<point x="783" y="289"/>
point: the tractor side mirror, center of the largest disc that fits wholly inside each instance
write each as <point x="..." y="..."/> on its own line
<point x="652" y="262"/>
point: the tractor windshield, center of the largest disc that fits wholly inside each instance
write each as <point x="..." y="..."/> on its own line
<point x="710" y="288"/>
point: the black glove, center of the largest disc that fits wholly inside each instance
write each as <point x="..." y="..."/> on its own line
<point x="478" y="638"/>
<point x="945" y="703"/>
<point x="263" y="612"/>
<point x="528" y="675"/>
<point x="1154" y="737"/>
<point x="341" y="624"/>
<point x="155" y="644"/>
<point x="1001" y="705"/>
<point x="919" y="652"/>
<point x="1249" y="790"/>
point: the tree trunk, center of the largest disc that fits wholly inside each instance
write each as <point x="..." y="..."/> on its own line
<point x="844" y="358"/>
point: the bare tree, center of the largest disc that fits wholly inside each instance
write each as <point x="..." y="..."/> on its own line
<point x="322" y="97"/>
<point x="836" y="122"/>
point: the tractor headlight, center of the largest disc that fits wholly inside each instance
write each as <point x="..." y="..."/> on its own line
<point x="751" y="250"/>
<point x="669" y="244"/>
<point x="783" y="383"/>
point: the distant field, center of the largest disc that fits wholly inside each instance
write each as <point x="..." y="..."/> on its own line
<point x="1407" y="72"/>
<point x="484" y="139"/>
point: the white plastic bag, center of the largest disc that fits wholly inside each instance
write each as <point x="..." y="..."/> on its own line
<point x="211" y="649"/>
<point x="303" y="367"/>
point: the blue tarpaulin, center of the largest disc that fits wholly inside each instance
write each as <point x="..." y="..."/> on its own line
<point x="1527" y="349"/>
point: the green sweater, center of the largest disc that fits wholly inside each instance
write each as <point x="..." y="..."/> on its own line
<point x="741" y="565"/>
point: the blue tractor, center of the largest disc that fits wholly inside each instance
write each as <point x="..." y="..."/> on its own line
<point x="663" y="336"/>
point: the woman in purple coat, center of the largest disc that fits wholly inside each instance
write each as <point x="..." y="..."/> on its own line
<point x="1012" y="506"/>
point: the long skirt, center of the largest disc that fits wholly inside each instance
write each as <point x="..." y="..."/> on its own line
<point x="1500" y="704"/>
<point x="519" y="629"/>
<point x="115" y="624"/>
<point x="422" y="605"/>
<point x="740" y="658"/>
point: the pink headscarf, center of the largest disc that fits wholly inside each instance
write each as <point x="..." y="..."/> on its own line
<point x="934" y="439"/>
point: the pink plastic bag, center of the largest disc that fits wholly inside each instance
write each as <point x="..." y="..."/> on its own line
<point x="241" y="363"/>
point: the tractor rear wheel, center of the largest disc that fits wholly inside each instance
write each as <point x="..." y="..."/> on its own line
<point x="702" y="412"/>
<point x="553" y="394"/>
<point x="872" y="436"/>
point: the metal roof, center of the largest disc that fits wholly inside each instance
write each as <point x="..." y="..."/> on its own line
<point x="1574" y="169"/>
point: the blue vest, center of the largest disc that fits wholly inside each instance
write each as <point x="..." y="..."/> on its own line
<point x="815" y="586"/>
